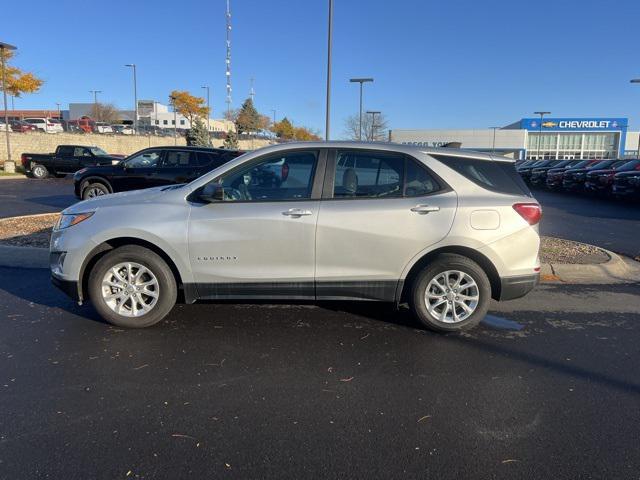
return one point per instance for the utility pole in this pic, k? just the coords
(95, 102)
(228, 60)
(542, 114)
(493, 146)
(361, 81)
(9, 166)
(373, 123)
(206, 87)
(135, 97)
(637, 80)
(329, 41)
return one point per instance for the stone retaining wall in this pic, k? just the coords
(118, 144)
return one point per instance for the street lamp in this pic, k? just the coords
(637, 80)
(328, 106)
(373, 121)
(9, 166)
(208, 114)
(95, 102)
(175, 120)
(542, 114)
(59, 116)
(274, 115)
(135, 97)
(493, 146)
(361, 81)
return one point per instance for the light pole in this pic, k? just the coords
(95, 102)
(9, 166)
(135, 97)
(637, 80)
(175, 120)
(493, 145)
(274, 115)
(58, 105)
(361, 81)
(373, 122)
(209, 108)
(542, 114)
(329, 39)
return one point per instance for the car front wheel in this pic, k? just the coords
(451, 294)
(94, 190)
(132, 287)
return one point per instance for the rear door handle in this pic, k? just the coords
(424, 209)
(297, 212)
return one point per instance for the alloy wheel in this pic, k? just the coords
(452, 296)
(130, 289)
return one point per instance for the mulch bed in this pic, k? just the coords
(36, 232)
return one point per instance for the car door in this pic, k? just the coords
(64, 160)
(178, 166)
(137, 170)
(379, 210)
(259, 242)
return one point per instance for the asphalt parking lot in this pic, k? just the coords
(547, 387)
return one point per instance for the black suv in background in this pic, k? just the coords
(626, 184)
(600, 181)
(151, 167)
(538, 175)
(573, 180)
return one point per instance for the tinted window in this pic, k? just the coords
(144, 159)
(418, 181)
(175, 159)
(630, 165)
(81, 152)
(283, 177)
(368, 174)
(213, 160)
(496, 176)
(65, 151)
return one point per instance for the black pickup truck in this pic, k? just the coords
(66, 159)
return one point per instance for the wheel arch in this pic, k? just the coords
(186, 290)
(85, 182)
(485, 263)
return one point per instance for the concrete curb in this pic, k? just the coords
(18, 176)
(617, 270)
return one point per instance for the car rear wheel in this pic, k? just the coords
(451, 294)
(94, 190)
(132, 287)
(39, 171)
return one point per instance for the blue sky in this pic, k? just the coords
(436, 64)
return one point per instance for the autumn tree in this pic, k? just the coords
(197, 135)
(188, 105)
(284, 129)
(305, 134)
(248, 119)
(378, 133)
(19, 82)
(105, 112)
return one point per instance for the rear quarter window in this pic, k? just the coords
(492, 175)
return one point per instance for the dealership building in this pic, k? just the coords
(553, 138)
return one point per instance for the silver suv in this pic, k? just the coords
(442, 230)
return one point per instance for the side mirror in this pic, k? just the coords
(212, 192)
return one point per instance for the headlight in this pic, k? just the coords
(66, 221)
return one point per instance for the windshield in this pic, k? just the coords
(630, 165)
(98, 151)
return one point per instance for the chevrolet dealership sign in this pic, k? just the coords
(575, 124)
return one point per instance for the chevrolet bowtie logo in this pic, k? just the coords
(549, 124)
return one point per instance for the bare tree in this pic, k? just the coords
(378, 133)
(105, 112)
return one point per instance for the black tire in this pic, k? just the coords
(93, 190)
(39, 171)
(166, 291)
(441, 264)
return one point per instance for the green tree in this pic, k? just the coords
(231, 141)
(248, 119)
(198, 136)
(284, 129)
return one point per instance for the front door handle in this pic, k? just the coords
(296, 212)
(424, 209)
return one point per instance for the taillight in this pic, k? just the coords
(285, 171)
(531, 212)
(24, 160)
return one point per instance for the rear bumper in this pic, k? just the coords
(516, 287)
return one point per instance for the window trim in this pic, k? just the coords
(316, 185)
(330, 175)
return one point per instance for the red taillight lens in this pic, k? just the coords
(531, 212)
(285, 171)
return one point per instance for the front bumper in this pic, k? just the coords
(516, 287)
(67, 286)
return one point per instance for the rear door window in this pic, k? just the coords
(178, 159)
(496, 176)
(368, 174)
(65, 151)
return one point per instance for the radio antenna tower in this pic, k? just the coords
(252, 92)
(228, 60)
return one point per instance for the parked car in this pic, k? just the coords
(626, 185)
(4, 127)
(47, 125)
(81, 125)
(573, 180)
(538, 176)
(122, 129)
(66, 159)
(21, 126)
(444, 230)
(151, 167)
(102, 127)
(555, 175)
(600, 181)
(525, 170)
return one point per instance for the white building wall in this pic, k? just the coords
(470, 139)
(631, 142)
